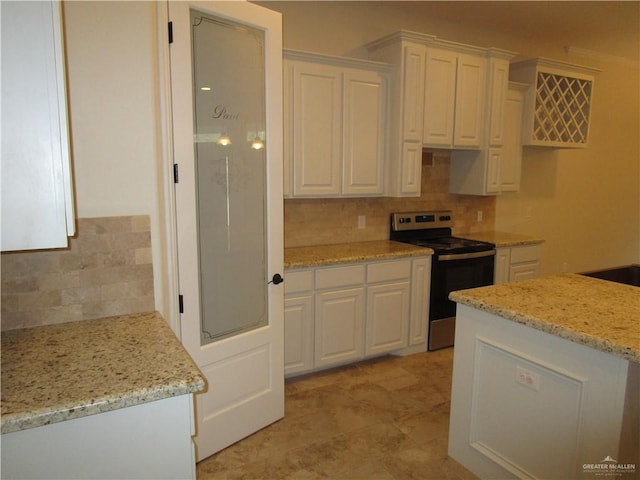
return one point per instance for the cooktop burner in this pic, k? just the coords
(433, 230)
(451, 245)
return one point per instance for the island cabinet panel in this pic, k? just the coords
(335, 138)
(344, 313)
(146, 441)
(529, 404)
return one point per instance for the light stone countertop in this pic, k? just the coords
(318, 255)
(502, 239)
(600, 314)
(59, 372)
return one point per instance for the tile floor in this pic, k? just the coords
(381, 419)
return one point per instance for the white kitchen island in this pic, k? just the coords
(546, 379)
(107, 398)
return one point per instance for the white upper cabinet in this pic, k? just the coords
(407, 53)
(444, 95)
(335, 126)
(494, 169)
(454, 99)
(558, 107)
(37, 195)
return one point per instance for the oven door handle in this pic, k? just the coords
(466, 256)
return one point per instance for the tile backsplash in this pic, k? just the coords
(107, 270)
(335, 220)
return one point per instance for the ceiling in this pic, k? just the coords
(605, 27)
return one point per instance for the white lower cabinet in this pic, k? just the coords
(150, 440)
(521, 262)
(298, 324)
(339, 321)
(340, 314)
(388, 306)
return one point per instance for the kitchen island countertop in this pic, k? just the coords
(60, 372)
(318, 255)
(600, 314)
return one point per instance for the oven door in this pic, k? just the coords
(450, 273)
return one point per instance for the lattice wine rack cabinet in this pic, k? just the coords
(557, 104)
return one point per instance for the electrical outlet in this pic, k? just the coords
(479, 216)
(528, 378)
(528, 212)
(361, 221)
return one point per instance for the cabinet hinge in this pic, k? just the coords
(180, 304)
(170, 32)
(176, 177)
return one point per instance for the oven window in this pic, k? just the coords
(451, 275)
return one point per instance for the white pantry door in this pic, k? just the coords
(226, 84)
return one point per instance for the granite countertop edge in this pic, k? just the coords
(503, 239)
(565, 331)
(342, 253)
(176, 374)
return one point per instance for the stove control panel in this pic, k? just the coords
(421, 220)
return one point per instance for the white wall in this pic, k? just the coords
(113, 80)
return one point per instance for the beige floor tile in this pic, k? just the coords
(386, 419)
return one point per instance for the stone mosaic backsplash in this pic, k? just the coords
(107, 270)
(334, 220)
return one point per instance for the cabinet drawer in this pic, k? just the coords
(387, 271)
(296, 282)
(340, 276)
(527, 253)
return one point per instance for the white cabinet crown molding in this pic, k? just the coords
(337, 61)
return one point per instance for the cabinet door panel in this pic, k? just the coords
(317, 137)
(298, 334)
(494, 163)
(420, 288)
(411, 174)
(413, 95)
(339, 326)
(499, 76)
(524, 271)
(37, 192)
(470, 96)
(387, 317)
(364, 132)
(440, 98)
(512, 150)
(502, 265)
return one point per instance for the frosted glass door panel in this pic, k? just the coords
(229, 108)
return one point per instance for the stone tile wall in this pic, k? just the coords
(107, 270)
(334, 220)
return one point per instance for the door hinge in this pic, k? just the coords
(170, 32)
(176, 177)
(180, 304)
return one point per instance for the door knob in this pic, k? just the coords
(276, 279)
